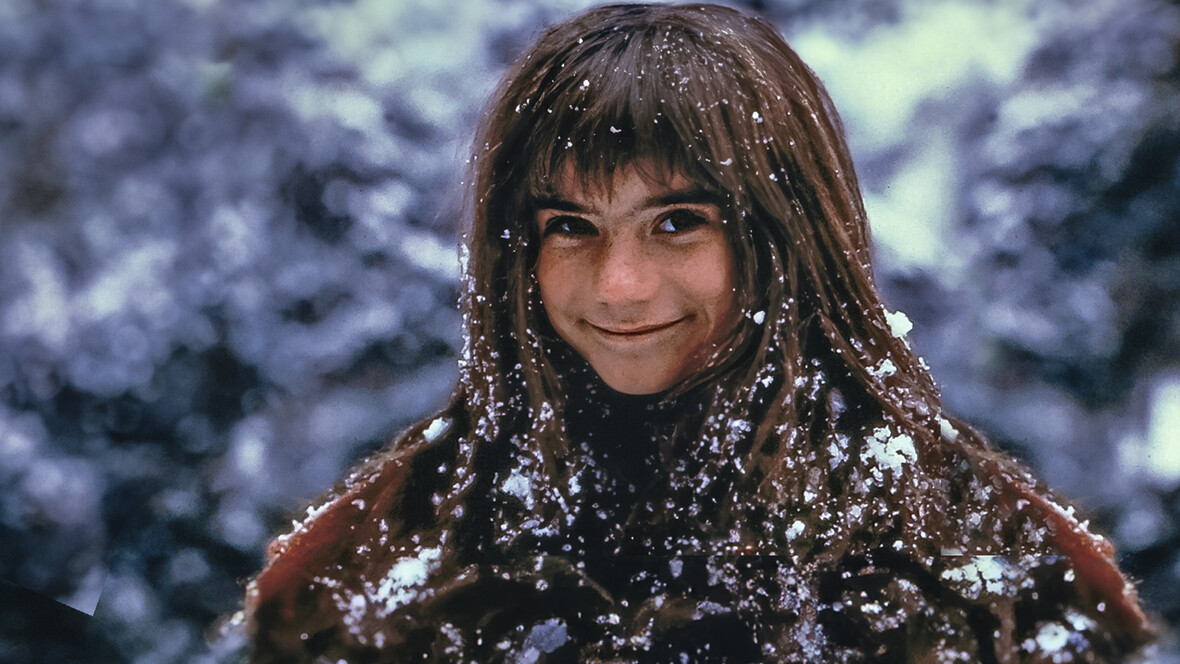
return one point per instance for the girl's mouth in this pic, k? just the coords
(635, 331)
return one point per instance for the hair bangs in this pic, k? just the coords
(623, 98)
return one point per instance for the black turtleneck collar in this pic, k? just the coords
(619, 431)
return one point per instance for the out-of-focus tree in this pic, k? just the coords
(227, 265)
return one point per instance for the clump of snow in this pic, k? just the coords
(436, 428)
(885, 368)
(548, 636)
(890, 451)
(546, 413)
(708, 608)
(454, 637)
(796, 530)
(1051, 639)
(899, 323)
(980, 575)
(520, 486)
(399, 587)
(676, 566)
(1079, 622)
(836, 450)
(947, 430)
(739, 428)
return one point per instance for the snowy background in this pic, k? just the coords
(227, 266)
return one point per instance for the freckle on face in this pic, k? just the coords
(638, 282)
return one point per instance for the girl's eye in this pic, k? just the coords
(570, 226)
(679, 221)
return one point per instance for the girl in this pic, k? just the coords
(685, 428)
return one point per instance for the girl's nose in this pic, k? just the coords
(626, 273)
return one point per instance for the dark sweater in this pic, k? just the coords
(372, 576)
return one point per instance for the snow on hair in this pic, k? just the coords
(716, 96)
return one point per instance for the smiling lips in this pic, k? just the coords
(638, 332)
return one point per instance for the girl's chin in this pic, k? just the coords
(636, 384)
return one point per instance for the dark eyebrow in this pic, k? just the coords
(557, 203)
(690, 196)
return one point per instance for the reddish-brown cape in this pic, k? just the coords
(1097, 576)
(294, 560)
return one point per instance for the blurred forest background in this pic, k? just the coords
(228, 266)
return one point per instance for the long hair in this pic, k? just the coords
(813, 432)
(814, 365)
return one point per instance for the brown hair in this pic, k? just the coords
(718, 97)
(814, 433)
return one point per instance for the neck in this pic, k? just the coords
(622, 432)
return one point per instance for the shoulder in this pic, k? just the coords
(355, 527)
(1009, 541)
(373, 488)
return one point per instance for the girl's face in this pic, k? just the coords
(638, 277)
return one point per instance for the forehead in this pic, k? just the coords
(627, 179)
